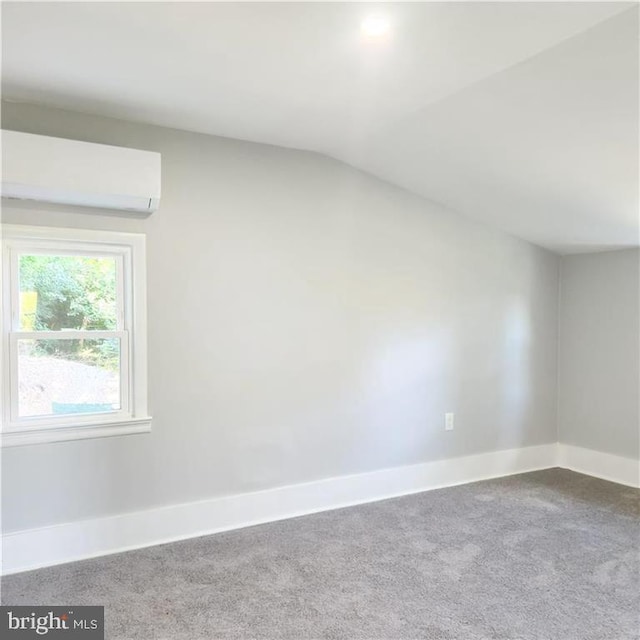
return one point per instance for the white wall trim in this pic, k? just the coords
(600, 465)
(105, 429)
(46, 546)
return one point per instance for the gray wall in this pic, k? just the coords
(305, 321)
(599, 380)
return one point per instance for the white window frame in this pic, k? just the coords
(128, 249)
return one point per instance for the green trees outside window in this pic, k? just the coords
(70, 292)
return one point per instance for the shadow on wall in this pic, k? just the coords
(407, 385)
(478, 363)
(517, 383)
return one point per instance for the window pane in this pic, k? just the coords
(67, 292)
(65, 376)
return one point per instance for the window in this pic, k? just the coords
(74, 334)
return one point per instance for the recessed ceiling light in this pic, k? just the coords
(375, 26)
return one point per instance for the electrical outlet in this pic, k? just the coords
(448, 421)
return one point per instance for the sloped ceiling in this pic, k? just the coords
(520, 115)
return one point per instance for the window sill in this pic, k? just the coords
(75, 432)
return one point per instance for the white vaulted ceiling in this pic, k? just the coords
(521, 115)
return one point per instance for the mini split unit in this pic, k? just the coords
(71, 172)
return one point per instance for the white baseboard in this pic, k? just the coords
(600, 465)
(34, 548)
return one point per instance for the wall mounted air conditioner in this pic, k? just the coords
(71, 172)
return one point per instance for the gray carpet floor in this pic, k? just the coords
(550, 555)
